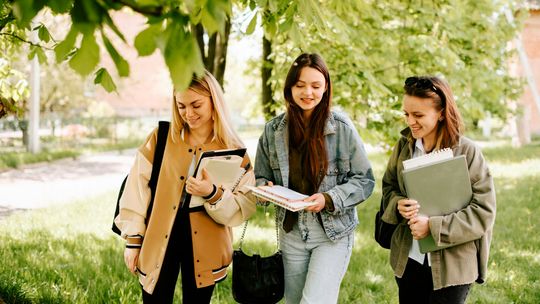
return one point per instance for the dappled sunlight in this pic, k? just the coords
(68, 253)
(523, 169)
(529, 255)
(374, 278)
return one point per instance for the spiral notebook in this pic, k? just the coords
(281, 196)
(440, 183)
(224, 168)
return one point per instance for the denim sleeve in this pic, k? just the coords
(360, 180)
(263, 171)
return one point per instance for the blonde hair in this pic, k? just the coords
(224, 133)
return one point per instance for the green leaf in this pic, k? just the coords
(93, 10)
(149, 2)
(42, 58)
(24, 11)
(145, 42)
(87, 56)
(105, 80)
(33, 52)
(252, 24)
(66, 46)
(43, 34)
(214, 14)
(182, 56)
(60, 6)
(121, 64)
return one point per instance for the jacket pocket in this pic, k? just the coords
(336, 174)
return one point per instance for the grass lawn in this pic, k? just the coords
(68, 254)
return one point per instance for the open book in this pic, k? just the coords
(224, 168)
(281, 196)
(440, 183)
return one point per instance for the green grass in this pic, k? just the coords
(15, 159)
(67, 254)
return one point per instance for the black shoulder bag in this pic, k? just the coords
(256, 279)
(163, 130)
(383, 230)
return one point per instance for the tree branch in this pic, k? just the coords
(156, 11)
(26, 41)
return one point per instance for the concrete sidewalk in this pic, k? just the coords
(59, 182)
(63, 181)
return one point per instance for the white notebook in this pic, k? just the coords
(281, 196)
(224, 170)
(427, 159)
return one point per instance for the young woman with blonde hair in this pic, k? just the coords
(197, 240)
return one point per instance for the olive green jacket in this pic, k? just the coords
(469, 228)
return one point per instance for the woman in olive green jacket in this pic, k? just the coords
(442, 276)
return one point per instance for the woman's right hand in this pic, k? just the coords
(408, 208)
(131, 257)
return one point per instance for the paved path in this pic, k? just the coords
(46, 184)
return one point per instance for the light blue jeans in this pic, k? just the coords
(313, 267)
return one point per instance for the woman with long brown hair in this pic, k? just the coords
(446, 275)
(317, 152)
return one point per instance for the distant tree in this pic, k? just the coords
(373, 46)
(13, 84)
(370, 46)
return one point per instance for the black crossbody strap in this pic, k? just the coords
(163, 130)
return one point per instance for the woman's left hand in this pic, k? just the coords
(319, 199)
(200, 186)
(419, 226)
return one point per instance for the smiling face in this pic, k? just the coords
(309, 89)
(422, 118)
(195, 109)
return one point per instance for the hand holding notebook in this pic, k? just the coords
(224, 168)
(284, 197)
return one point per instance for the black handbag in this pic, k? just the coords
(256, 279)
(383, 230)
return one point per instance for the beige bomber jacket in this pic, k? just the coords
(470, 228)
(211, 228)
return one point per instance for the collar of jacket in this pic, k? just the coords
(329, 127)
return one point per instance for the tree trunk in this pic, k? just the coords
(266, 71)
(23, 126)
(220, 59)
(214, 53)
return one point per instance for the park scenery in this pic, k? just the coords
(83, 82)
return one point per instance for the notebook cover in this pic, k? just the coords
(219, 176)
(440, 188)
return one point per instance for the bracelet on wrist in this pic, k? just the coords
(214, 190)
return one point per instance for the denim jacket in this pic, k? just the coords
(349, 179)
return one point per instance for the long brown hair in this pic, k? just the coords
(308, 136)
(451, 126)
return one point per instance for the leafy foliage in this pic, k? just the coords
(372, 46)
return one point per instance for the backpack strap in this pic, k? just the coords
(163, 130)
